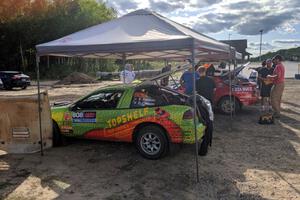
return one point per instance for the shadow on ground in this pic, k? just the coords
(247, 161)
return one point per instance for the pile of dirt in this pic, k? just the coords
(76, 78)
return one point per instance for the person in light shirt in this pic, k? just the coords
(127, 76)
(278, 85)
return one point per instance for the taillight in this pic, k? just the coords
(188, 114)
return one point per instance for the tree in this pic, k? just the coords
(25, 23)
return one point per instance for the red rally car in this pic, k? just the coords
(244, 92)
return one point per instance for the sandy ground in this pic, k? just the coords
(247, 161)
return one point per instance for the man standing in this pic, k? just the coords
(266, 85)
(186, 80)
(127, 75)
(278, 87)
(165, 81)
(205, 86)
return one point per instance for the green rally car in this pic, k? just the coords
(150, 116)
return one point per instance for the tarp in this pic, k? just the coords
(141, 34)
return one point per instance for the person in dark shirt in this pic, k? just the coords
(165, 81)
(263, 64)
(205, 86)
(266, 85)
(210, 70)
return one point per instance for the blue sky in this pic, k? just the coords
(242, 19)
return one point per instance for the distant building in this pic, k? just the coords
(240, 46)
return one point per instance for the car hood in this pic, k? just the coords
(174, 70)
(234, 72)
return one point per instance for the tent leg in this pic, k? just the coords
(194, 113)
(39, 102)
(123, 62)
(230, 97)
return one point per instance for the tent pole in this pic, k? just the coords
(195, 109)
(234, 66)
(123, 63)
(39, 102)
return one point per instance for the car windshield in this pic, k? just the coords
(100, 100)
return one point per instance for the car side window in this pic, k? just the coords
(100, 100)
(147, 97)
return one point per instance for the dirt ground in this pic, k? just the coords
(247, 161)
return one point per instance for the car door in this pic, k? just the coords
(90, 115)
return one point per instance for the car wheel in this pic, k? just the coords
(151, 142)
(226, 107)
(24, 87)
(207, 139)
(8, 87)
(57, 138)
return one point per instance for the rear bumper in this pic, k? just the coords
(189, 136)
(20, 83)
(249, 101)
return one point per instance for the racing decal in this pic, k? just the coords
(127, 117)
(242, 89)
(124, 132)
(84, 117)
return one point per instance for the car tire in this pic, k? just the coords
(24, 87)
(151, 142)
(224, 105)
(8, 87)
(57, 138)
(206, 140)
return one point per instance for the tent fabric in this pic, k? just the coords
(141, 34)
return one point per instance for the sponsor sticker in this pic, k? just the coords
(242, 89)
(84, 117)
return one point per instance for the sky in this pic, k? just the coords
(237, 19)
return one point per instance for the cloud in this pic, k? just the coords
(247, 18)
(122, 6)
(265, 46)
(243, 5)
(266, 22)
(165, 7)
(204, 3)
(213, 23)
(244, 17)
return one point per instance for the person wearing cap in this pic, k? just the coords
(266, 85)
(278, 87)
(127, 75)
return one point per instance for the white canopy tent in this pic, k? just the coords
(141, 34)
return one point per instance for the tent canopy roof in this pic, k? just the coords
(142, 34)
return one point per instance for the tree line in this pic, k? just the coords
(26, 23)
(292, 54)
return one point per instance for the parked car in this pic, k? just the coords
(150, 116)
(13, 79)
(244, 91)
